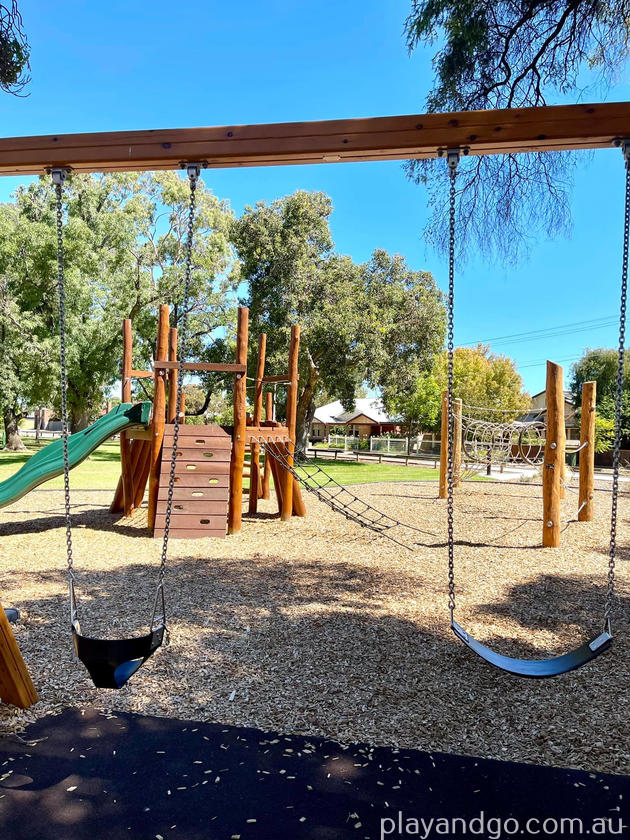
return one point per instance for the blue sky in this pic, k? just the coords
(127, 65)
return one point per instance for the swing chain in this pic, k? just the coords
(58, 176)
(452, 161)
(193, 171)
(612, 552)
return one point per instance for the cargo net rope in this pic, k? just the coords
(328, 490)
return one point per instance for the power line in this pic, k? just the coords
(544, 362)
(548, 332)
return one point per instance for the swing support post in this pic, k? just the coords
(16, 686)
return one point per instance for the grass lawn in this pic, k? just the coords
(349, 472)
(101, 470)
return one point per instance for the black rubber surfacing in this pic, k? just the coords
(127, 776)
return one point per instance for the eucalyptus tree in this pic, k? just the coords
(124, 236)
(377, 323)
(512, 54)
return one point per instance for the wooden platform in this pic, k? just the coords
(200, 495)
(266, 433)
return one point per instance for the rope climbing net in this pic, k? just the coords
(328, 490)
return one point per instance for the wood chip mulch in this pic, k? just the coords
(320, 628)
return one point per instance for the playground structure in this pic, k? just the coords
(210, 465)
(534, 442)
(477, 133)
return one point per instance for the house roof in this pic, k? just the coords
(334, 412)
(568, 395)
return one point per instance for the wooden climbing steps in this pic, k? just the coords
(202, 475)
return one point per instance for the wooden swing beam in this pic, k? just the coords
(543, 129)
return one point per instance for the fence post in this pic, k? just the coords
(587, 455)
(554, 457)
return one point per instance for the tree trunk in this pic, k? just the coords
(305, 411)
(11, 428)
(79, 419)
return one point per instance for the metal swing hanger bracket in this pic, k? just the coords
(193, 168)
(624, 145)
(59, 174)
(453, 155)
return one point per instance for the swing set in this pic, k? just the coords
(569, 127)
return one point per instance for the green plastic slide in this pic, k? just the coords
(48, 462)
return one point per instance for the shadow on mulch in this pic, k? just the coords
(202, 592)
(98, 519)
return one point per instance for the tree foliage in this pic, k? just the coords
(484, 379)
(510, 54)
(600, 365)
(124, 238)
(419, 409)
(29, 354)
(14, 50)
(378, 323)
(481, 379)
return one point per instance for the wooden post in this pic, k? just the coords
(299, 508)
(142, 470)
(254, 448)
(292, 395)
(587, 455)
(457, 442)
(277, 472)
(563, 446)
(16, 686)
(172, 375)
(235, 504)
(125, 443)
(443, 487)
(552, 465)
(267, 470)
(159, 414)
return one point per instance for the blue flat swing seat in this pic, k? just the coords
(537, 668)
